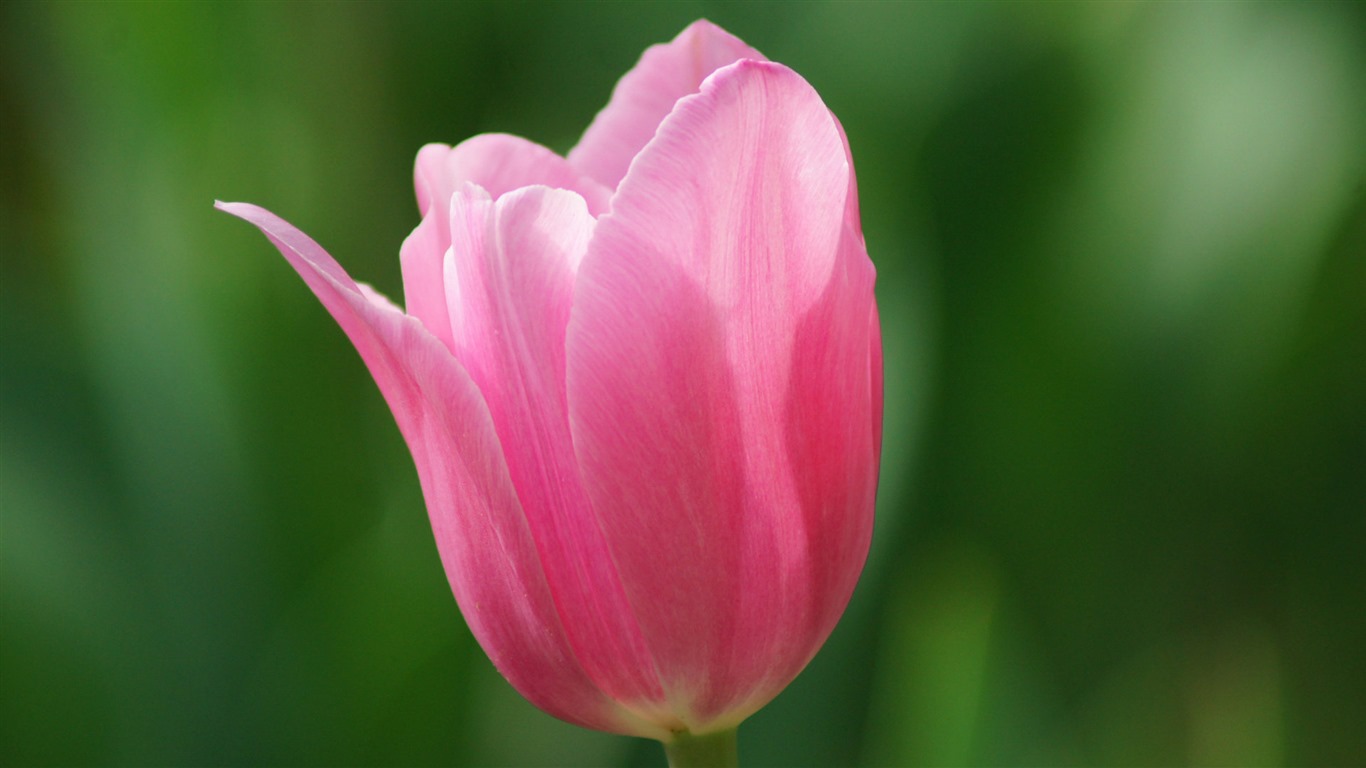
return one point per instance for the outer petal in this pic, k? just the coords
(497, 162)
(875, 379)
(646, 94)
(485, 544)
(512, 268)
(719, 388)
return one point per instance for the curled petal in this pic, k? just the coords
(485, 544)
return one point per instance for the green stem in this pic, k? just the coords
(710, 750)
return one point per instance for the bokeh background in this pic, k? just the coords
(1122, 271)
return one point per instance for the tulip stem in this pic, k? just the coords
(709, 750)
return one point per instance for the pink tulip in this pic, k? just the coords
(642, 387)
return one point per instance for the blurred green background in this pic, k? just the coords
(1122, 272)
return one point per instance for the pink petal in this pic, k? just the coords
(720, 393)
(433, 184)
(851, 209)
(421, 253)
(501, 163)
(646, 94)
(511, 270)
(497, 162)
(484, 541)
(875, 376)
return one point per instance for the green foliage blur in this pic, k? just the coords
(1122, 273)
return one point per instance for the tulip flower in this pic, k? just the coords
(641, 384)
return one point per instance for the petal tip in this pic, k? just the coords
(245, 211)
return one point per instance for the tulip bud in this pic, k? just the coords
(642, 388)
